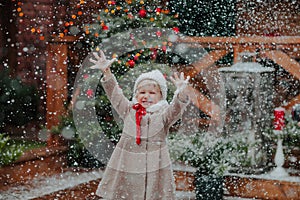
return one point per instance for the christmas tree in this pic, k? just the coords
(124, 17)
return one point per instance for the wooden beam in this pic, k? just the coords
(291, 103)
(56, 77)
(198, 99)
(204, 104)
(206, 61)
(289, 64)
(282, 59)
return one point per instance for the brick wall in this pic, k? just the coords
(33, 27)
(268, 17)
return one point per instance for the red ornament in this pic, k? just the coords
(104, 27)
(158, 33)
(279, 119)
(85, 76)
(131, 63)
(142, 13)
(158, 10)
(176, 29)
(89, 93)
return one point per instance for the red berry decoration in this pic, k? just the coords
(142, 13)
(131, 63)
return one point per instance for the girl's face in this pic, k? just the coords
(148, 93)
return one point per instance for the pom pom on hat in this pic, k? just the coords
(156, 76)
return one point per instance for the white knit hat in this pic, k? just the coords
(158, 77)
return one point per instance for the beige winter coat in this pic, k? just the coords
(140, 172)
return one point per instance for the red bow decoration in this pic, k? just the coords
(140, 112)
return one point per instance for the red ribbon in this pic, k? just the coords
(140, 112)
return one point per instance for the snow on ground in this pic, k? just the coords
(46, 185)
(268, 176)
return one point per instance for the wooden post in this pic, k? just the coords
(56, 77)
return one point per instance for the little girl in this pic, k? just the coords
(140, 166)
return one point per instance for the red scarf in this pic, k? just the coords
(140, 112)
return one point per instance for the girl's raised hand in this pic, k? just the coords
(179, 81)
(100, 62)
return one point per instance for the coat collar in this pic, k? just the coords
(156, 107)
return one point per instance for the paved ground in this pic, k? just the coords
(69, 185)
(72, 184)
